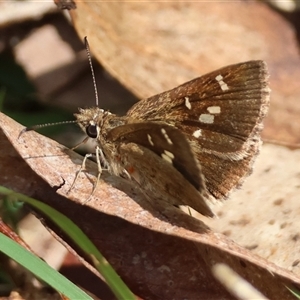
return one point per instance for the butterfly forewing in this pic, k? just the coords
(221, 115)
(230, 102)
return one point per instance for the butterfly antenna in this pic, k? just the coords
(35, 127)
(87, 48)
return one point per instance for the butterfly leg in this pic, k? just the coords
(99, 158)
(82, 167)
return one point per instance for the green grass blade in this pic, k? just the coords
(40, 269)
(113, 280)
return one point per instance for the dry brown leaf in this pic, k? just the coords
(156, 259)
(154, 46)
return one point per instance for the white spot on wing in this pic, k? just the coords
(150, 140)
(187, 103)
(197, 133)
(223, 85)
(207, 118)
(168, 156)
(214, 109)
(163, 131)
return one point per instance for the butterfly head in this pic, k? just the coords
(91, 120)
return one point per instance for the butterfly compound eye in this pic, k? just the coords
(91, 131)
